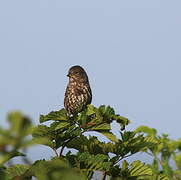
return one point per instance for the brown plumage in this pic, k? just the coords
(78, 93)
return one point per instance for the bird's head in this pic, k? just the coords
(77, 73)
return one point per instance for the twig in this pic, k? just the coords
(63, 146)
(120, 158)
(55, 151)
(104, 176)
(90, 174)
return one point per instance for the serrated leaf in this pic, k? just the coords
(19, 124)
(43, 135)
(42, 131)
(62, 125)
(125, 165)
(43, 141)
(159, 177)
(60, 115)
(3, 174)
(101, 127)
(55, 169)
(6, 157)
(17, 171)
(94, 162)
(106, 111)
(147, 130)
(127, 135)
(18, 154)
(109, 135)
(90, 110)
(140, 169)
(121, 120)
(177, 159)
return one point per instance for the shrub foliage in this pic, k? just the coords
(77, 155)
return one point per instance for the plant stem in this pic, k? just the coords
(63, 146)
(120, 158)
(104, 176)
(55, 151)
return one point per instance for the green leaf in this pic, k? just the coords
(43, 135)
(91, 144)
(90, 110)
(140, 169)
(147, 130)
(6, 157)
(121, 120)
(93, 162)
(101, 127)
(109, 135)
(18, 154)
(155, 165)
(125, 165)
(42, 131)
(104, 129)
(43, 141)
(16, 171)
(60, 115)
(3, 174)
(19, 124)
(160, 177)
(177, 159)
(62, 125)
(127, 135)
(55, 169)
(106, 111)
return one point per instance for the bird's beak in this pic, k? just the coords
(69, 75)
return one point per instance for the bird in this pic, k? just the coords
(78, 93)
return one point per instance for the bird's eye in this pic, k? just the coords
(77, 72)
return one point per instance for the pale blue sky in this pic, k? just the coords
(130, 49)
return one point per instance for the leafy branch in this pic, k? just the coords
(91, 154)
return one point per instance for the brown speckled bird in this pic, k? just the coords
(78, 93)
